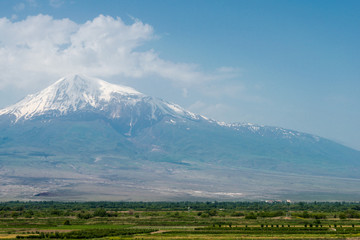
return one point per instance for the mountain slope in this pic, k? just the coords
(82, 133)
(79, 94)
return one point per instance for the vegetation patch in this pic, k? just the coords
(183, 220)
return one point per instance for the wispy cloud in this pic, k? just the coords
(32, 3)
(56, 3)
(40, 47)
(19, 7)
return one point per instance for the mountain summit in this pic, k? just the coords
(69, 94)
(85, 94)
(86, 139)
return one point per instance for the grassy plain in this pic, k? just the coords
(185, 220)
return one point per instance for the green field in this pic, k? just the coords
(179, 220)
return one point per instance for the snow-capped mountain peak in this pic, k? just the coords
(79, 92)
(78, 84)
(70, 93)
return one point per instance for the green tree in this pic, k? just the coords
(250, 215)
(100, 212)
(342, 215)
(212, 212)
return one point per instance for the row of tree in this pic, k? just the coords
(182, 206)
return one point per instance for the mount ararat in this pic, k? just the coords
(85, 139)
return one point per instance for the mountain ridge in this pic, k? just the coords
(94, 93)
(113, 137)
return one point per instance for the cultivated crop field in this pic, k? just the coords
(179, 220)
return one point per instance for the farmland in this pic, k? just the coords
(179, 220)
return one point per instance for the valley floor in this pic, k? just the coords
(183, 220)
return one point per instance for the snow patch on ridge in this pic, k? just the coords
(108, 89)
(266, 130)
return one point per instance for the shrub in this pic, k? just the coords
(67, 222)
(342, 216)
(100, 212)
(237, 214)
(84, 215)
(251, 215)
(212, 212)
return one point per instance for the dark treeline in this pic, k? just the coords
(88, 234)
(181, 206)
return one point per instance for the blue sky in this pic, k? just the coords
(294, 64)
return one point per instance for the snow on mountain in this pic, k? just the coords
(268, 130)
(105, 139)
(83, 93)
(273, 131)
(71, 93)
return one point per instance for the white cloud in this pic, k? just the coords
(19, 7)
(56, 3)
(40, 48)
(32, 3)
